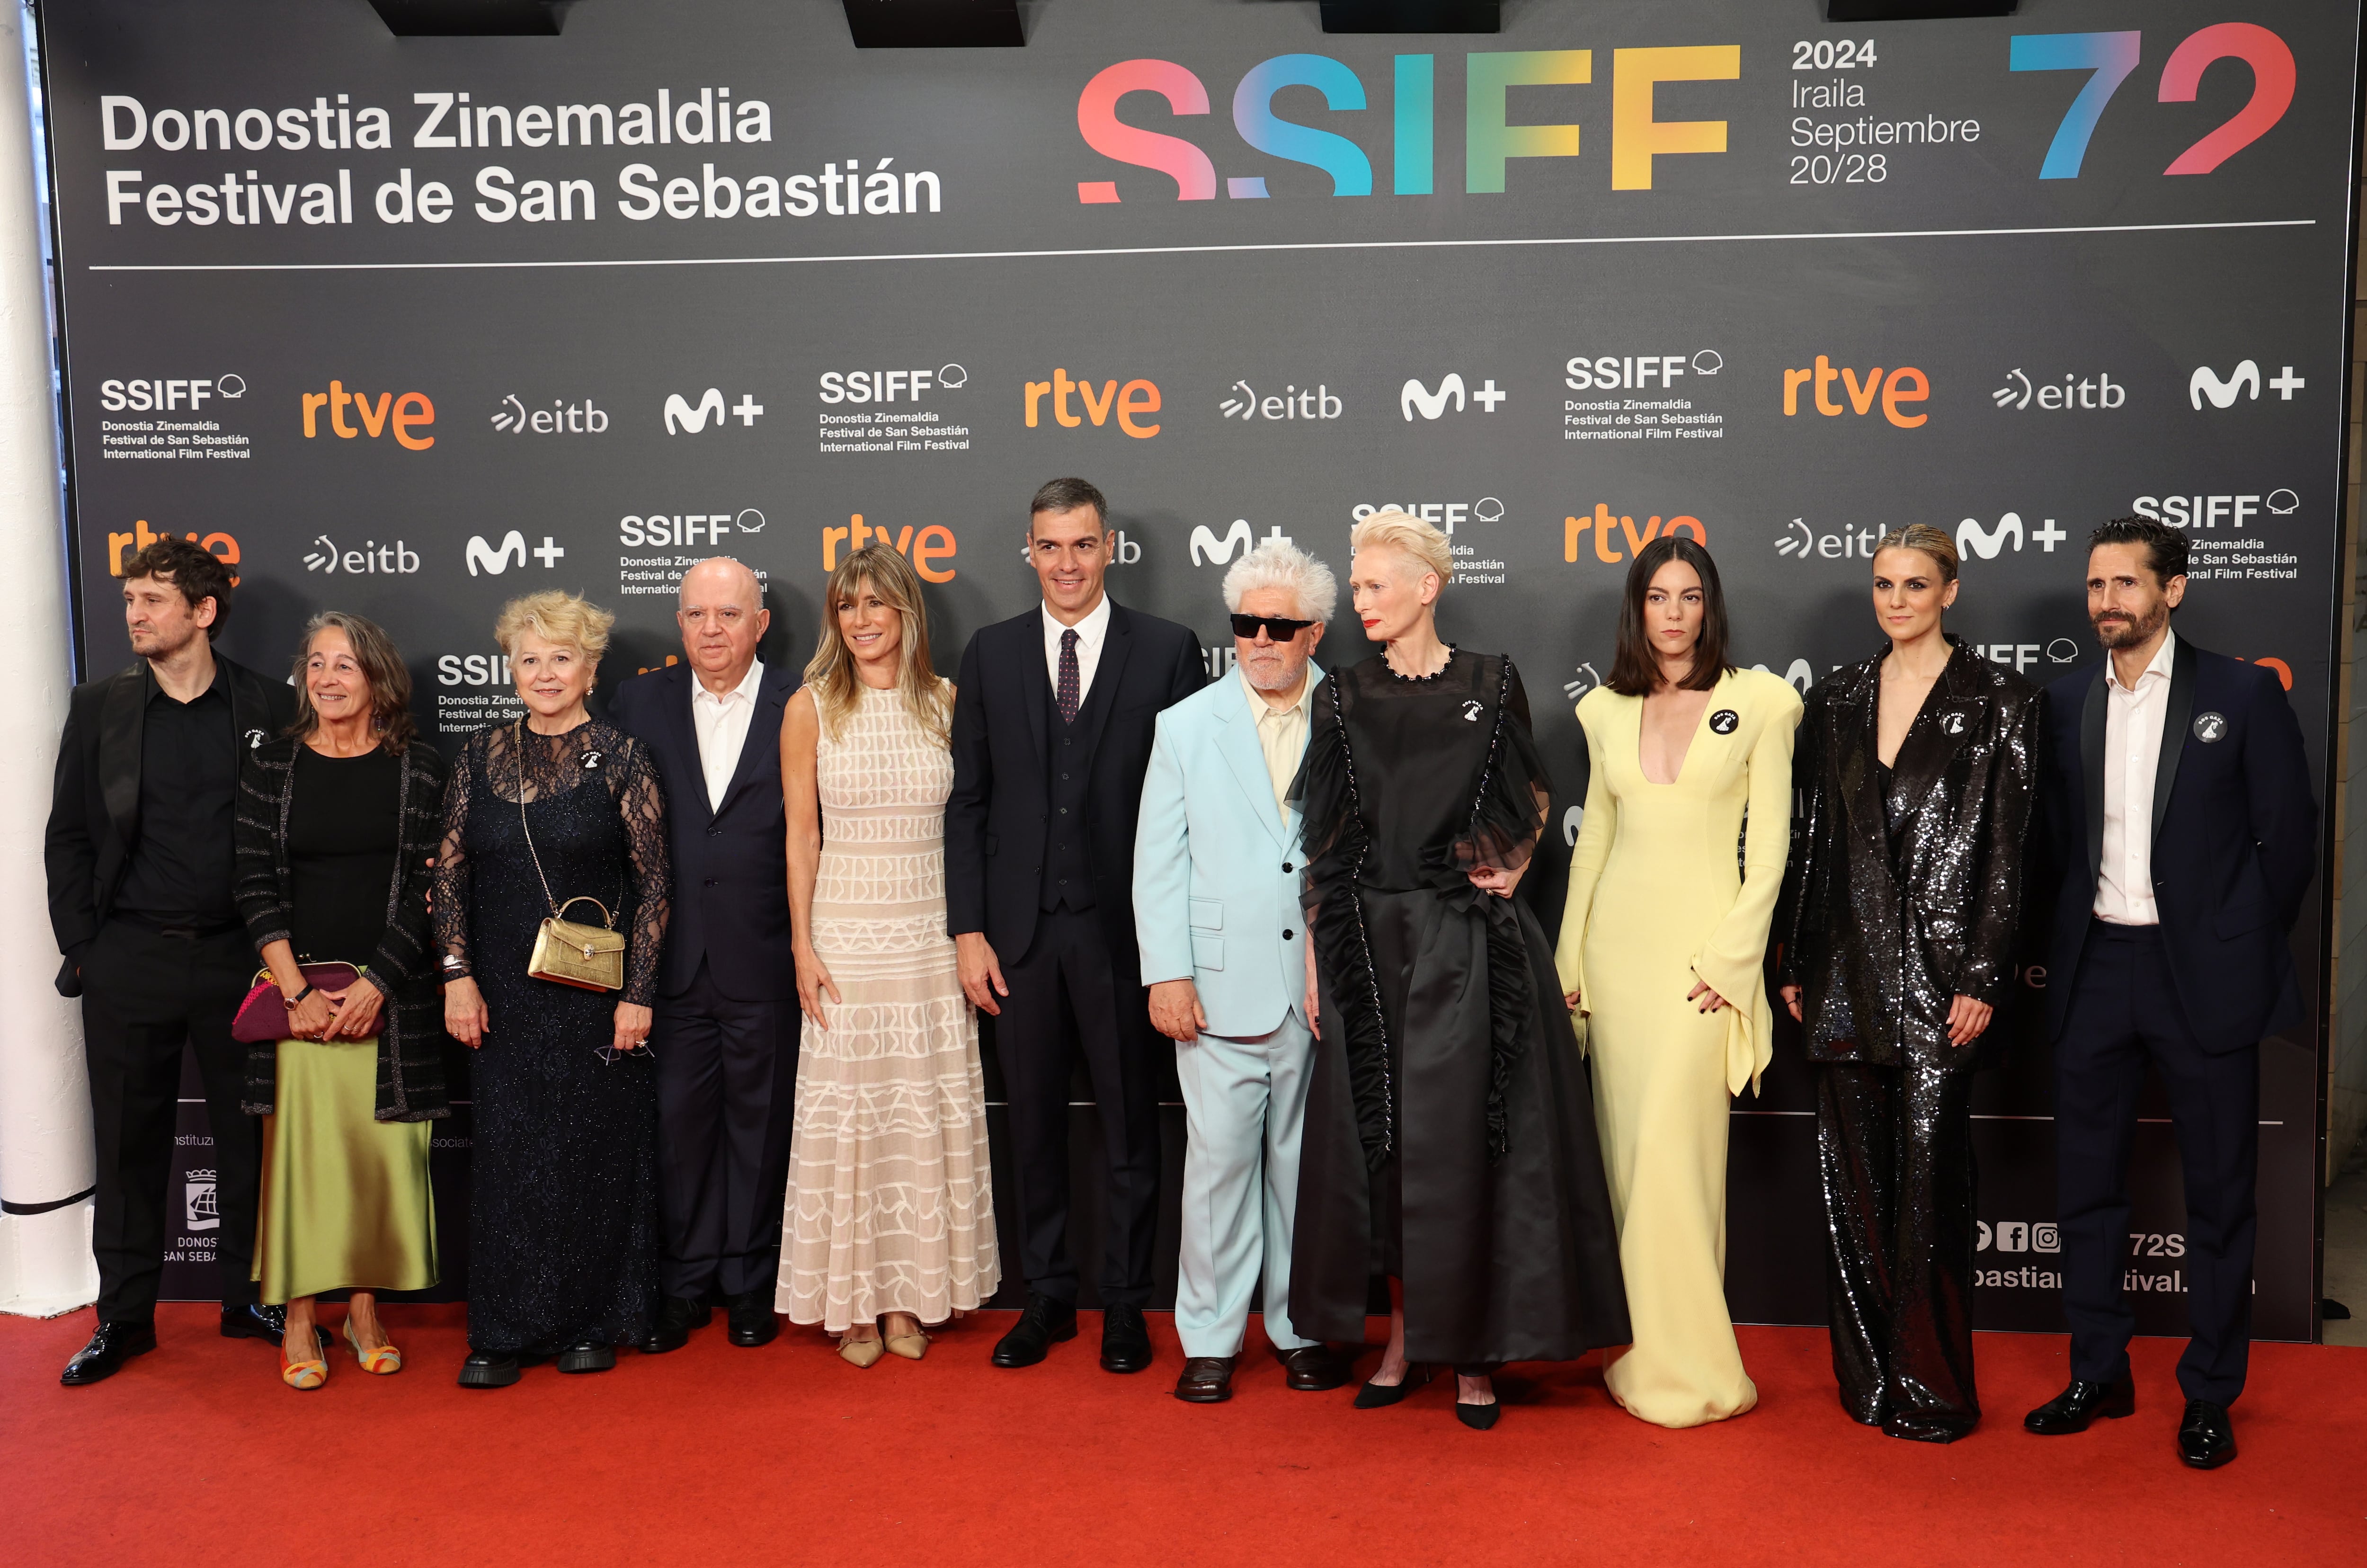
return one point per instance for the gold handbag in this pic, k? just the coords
(590, 958)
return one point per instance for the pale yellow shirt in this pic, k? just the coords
(1282, 734)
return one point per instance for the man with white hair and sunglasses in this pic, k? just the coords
(1216, 899)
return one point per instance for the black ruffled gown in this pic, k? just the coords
(564, 1207)
(1450, 1136)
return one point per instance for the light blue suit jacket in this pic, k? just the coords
(1217, 867)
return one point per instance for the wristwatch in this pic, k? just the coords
(298, 999)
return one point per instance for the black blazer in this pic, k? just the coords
(2235, 841)
(410, 1025)
(995, 828)
(94, 800)
(1890, 915)
(730, 865)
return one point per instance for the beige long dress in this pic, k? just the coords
(890, 1202)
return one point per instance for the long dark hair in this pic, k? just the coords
(382, 666)
(1634, 672)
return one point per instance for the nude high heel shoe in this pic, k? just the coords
(912, 1346)
(860, 1352)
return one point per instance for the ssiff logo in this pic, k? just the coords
(1491, 138)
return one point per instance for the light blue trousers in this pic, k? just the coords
(1243, 1103)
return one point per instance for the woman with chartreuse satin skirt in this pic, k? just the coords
(1663, 948)
(337, 827)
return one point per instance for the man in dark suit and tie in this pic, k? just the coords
(726, 1032)
(139, 855)
(2177, 809)
(1051, 739)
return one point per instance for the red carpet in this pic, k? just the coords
(196, 1455)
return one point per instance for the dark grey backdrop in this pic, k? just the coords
(1950, 268)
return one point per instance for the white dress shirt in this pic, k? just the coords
(2132, 723)
(1282, 734)
(722, 726)
(1091, 632)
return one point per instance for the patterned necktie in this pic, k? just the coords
(1068, 694)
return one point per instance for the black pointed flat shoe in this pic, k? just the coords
(1380, 1396)
(1479, 1418)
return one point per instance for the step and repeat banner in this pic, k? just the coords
(410, 326)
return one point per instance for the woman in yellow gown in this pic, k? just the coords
(1663, 948)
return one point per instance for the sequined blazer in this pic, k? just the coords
(1893, 906)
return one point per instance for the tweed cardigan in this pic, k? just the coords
(411, 1027)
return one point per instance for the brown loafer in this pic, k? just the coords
(1206, 1380)
(1312, 1368)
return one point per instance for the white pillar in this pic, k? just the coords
(45, 1144)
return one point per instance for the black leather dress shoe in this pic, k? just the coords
(587, 1355)
(2071, 1410)
(676, 1317)
(1312, 1368)
(752, 1317)
(1126, 1340)
(266, 1323)
(1206, 1380)
(1043, 1323)
(488, 1370)
(113, 1345)
(2206, 1439)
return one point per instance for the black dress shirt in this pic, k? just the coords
(180, 871)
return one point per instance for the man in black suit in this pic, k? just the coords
(2177, 806)
(1051, 739)
(139, 858)
(726, 1033)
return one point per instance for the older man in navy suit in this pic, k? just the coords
(726, 1033)
(2176, 807)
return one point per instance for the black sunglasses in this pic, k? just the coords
(1276, 627)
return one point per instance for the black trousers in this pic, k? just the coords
(2124, 1014)
(1894, 1149)
(143, 996)
(727, 1074)
(1066, 996)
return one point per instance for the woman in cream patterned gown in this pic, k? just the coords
(890, 1224)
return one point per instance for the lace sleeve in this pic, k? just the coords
(642, 802)
(451, 897)
(1515, 793)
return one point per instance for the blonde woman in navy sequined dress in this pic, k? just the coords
(1449, 1142)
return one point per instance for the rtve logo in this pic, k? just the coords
(924, 549)
(1131, 401)
(1491, 140)
(403, 414)
(1893, 390)
(1606, 541)
(119, 546)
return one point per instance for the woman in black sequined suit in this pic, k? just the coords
(563, 1216)
(1915, 767)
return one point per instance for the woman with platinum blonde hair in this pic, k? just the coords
(1450, 1140)
(555, 814)
(889, 1225)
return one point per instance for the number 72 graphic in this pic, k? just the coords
(2113, 56)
